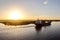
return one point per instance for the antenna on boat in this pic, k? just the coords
(38, 18)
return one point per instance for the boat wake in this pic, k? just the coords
(8, 27)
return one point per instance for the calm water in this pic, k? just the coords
(30, 32)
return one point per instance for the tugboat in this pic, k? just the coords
(42, 22)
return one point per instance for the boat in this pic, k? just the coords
(42, 22)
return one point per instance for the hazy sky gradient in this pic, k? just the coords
(31, 7)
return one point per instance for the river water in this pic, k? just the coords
(30, 32)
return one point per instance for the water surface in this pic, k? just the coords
(30, 32)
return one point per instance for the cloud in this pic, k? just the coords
(45, 2)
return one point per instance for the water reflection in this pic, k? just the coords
(39, 27)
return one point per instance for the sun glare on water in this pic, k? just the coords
(15, 15)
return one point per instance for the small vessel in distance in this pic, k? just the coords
(42, 23)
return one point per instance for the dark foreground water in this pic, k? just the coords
(30, 32)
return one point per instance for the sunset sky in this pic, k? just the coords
(30, 8)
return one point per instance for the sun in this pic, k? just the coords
(15, 15)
